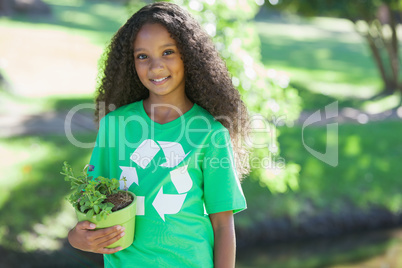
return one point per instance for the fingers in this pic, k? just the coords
(84, 237)
(106, 233)
(109, 250)
(111, 240)
(85, 225)
(114, 234)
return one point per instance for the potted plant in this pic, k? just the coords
(100, 201)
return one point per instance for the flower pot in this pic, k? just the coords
(124, 217)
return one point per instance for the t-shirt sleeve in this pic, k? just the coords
(222, 189)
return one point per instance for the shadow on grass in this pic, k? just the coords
(58, 104)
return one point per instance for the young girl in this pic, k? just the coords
(172, 115)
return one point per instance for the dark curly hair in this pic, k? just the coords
(207, 80)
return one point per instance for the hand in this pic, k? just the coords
(84, 237)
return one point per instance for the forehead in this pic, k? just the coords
(152, 34)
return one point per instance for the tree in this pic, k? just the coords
(376, 20)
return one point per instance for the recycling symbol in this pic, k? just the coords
(174, 155)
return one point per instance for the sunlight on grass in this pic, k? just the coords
(61, 57)
(303, 30)
(352, 146)
(71, 3)
(323, 55)
(384, 104)
(48, 234)
(17, 162)
(345, 90)
(333, 24)
(78, 17)
(51, 63)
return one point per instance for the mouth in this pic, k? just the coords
(160, 80)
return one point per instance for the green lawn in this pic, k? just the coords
(368, 174)
(328, 52)
(325, 59)
(95, 19)
(33, 210)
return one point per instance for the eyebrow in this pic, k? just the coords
(163, 46)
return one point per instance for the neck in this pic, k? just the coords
(163, 109)
(176, 101)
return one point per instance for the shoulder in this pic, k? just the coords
(217, 135)
(204, 117)
(125, 110)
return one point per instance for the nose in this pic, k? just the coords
(156, 65)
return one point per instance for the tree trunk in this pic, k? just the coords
(392, 49)
(380, 65)
(388, 69)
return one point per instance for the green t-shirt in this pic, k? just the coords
(180, 171)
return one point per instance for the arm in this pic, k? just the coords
(83, 237)
(225, 240)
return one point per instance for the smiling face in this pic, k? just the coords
(158, 62)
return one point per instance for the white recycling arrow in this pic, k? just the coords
(130, 173)
(145, 153)
(181, 179)
(168, 203)
(140, 205)
(174, 153)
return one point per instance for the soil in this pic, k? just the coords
(119, 200)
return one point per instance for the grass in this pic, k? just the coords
(324, 55)
(61, 56)
(368, 170)
(34, 215)
(94, 19)
(368, 174)
(32, 190)
(328, 62)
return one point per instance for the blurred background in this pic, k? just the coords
(321, 79)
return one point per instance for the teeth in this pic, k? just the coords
(158, 80)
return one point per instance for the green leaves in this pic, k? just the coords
(88, 193)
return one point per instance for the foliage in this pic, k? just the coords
(377, 22)
(88, 193)
(267, 93)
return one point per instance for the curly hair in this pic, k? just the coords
(207, 80)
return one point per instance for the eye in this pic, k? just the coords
(168, 52)
(141, 56)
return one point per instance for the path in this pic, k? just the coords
(82, 122)
(44, 124)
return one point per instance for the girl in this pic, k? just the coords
(171, 137)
